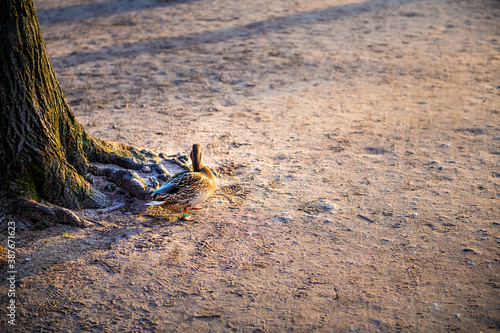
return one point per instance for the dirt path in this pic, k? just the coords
(358, 149)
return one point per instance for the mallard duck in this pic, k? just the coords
(187, 189)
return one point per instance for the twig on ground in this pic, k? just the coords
(366, 218)
(112, 208)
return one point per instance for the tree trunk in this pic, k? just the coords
(44, 151)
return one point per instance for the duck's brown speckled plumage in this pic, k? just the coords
(187, 189)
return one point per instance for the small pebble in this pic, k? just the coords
(146, 169)
(469, 250)
(329, 206)
(162, 155)
(436, 306)
(445, 145)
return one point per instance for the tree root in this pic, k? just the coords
(127, 179)
(123, 161)
(120, 154)
(33, 210)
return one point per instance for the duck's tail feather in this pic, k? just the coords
(154, 203)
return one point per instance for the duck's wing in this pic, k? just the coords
(178, 183)
(167, 188)
(172, 186)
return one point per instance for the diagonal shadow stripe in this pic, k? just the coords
(99, 9)
(158, 45)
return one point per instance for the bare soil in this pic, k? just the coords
(357, 146)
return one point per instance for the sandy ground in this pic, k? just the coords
(358, 150)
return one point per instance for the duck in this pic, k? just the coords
(187, 189)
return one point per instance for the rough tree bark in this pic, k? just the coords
(44, 151)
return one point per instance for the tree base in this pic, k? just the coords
(122, 189)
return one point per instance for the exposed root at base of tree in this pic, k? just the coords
(33, 210)
(127, 179)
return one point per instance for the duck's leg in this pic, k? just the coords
(185, 216)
